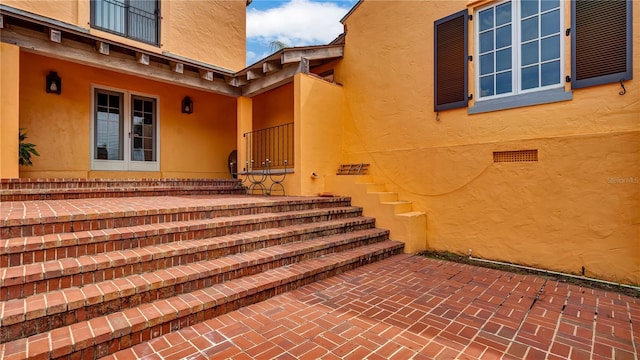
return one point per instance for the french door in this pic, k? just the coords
(124, 131)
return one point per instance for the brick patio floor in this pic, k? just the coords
(413, 307)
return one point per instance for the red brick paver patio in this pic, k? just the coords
(413, 307)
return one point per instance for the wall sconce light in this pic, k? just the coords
(187, 105)
(54, 83)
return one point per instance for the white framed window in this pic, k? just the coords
(519, 48)
(124, 131)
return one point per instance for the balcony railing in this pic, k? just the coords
(269, 157)
(270, 148)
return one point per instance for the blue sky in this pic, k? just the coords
(293, 22)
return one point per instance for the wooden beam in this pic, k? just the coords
(1, 22)
(284, 76)
(271, 66)
(102, 47)
(177, 67)
(329, 52)
(304, 65)
(55, 35)
(37, 42)
(206, 74)
(236, 81)
(142, 58)
(254, 74)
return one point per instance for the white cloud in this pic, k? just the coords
(251, 56)
(296, 23)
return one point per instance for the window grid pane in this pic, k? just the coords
(495, 50)
(536, 56)
(144, 128)
(540, 50)
(504, 83)
(109, 127)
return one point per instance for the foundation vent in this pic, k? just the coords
(515, 156)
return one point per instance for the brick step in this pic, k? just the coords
(26, 280)
(36, 249)
(38, 218)
(110, 192)
(44, 312)
(103, 335)
(62, 245)
(80, 183)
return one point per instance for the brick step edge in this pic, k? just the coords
(104, 335)
(93, 193)
(48, 247)
(34, 279)
(45, 312)
(46, 225)
(62, 183)
(71, 190)
(37, 249)
(51, 271)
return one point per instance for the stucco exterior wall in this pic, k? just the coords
(211, 31)
(63, 10)
(191, 145)
(579, 205)
(9, 110)
(274, 107)
(319, 117)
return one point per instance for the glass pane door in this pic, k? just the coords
(143, 129)
(108, 126)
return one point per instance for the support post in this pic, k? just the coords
(10, 110)
(245, 124)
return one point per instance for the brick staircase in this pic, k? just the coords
(100, 272)
(59, 189)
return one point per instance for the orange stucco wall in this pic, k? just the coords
(9, 110)
(274, 107)
(215, 29)
(191, 145)
(579, 205)
(319, 117)
(64, 10)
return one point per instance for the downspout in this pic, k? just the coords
(636, 288)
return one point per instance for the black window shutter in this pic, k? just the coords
(450, 61)
(601, 42)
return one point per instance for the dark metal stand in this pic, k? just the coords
(257, 178)
(276, 179)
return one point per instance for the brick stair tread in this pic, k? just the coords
(46, 270)
(54, 302)
(17, 274)
(50, 189)
(43, 242)
(53, 183)
(54, 211)
(39, 191)
(62, 341)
